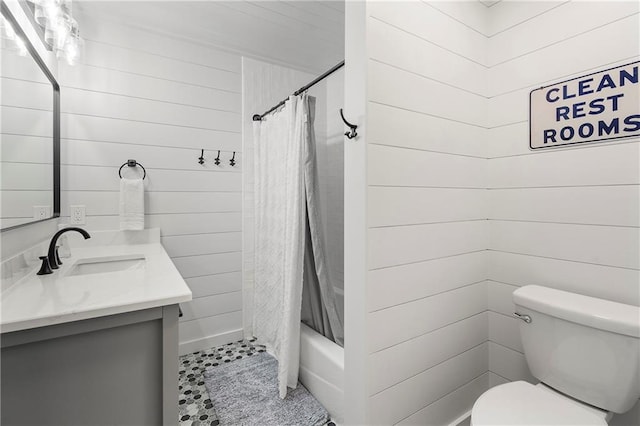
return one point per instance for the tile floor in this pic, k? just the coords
(194, 405)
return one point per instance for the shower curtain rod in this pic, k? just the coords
(258, 117)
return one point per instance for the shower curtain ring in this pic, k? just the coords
(217, 159)
(233, 161)
(201, 158)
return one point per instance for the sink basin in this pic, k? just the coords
(101, 265)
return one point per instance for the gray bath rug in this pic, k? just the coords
(245, 393)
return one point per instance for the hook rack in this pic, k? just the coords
(132, 163)
(201, 159)
(352, 132)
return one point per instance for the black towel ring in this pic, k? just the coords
(132, 163)
(351, 133)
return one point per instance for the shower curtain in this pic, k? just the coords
(285, 199)
(318, 298)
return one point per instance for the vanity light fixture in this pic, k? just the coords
(61, 31)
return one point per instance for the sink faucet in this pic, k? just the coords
(52, 245)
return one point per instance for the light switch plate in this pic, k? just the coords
(77, 215)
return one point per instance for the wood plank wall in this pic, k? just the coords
(160, 101)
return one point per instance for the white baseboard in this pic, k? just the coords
(210, 341)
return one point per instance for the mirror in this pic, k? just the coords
(29, 132)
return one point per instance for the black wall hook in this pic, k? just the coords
(233, 161)
(201, 158)
(217, 159)
(351, 133)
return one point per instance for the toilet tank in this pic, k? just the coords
(584, 347)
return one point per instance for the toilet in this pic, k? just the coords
(585, 352)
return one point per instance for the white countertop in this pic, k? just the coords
(41, 300)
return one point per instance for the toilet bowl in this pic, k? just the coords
(585, 352)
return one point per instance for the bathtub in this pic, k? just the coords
(322, 371)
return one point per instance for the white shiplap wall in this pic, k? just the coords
(460, 212)
(160, 101)
(426, 212)
(565, 218)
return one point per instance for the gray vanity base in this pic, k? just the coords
(113, 370)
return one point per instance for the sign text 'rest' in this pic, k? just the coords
(596, 107)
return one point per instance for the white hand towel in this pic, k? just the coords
(131, 204)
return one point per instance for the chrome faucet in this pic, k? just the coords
(52, 254)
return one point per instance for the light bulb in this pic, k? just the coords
(49, 35)
(51, 10)
(40, 15)
(61, 31)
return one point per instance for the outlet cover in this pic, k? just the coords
(77, 215)
(41, 212)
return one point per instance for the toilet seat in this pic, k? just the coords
(521, 403)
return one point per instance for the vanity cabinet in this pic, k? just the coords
(110, 370)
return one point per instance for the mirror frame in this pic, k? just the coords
(6, 12)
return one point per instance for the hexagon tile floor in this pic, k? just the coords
(194, 405)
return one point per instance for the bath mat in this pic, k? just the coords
(245, 393)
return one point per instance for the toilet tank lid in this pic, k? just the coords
(585, 310)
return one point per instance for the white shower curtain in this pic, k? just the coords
(288, 222)
(279, 235)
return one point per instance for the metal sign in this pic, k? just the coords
(601, 106)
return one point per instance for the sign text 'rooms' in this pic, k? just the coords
(596, 107)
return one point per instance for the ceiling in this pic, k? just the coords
(489, 3)
(308, 35)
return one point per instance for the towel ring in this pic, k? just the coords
(132, 163)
